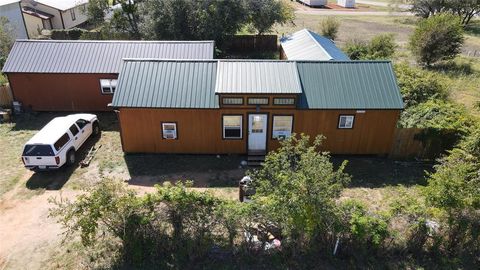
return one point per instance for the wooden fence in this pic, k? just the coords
(405, 145)
(245, 43)
(6, 96)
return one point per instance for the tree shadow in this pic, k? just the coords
(55, 180)
(375, 172)
(37, 120)
(204, 170)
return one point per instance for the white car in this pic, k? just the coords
(56, 143)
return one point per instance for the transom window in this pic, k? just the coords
(232, 101)
(282, 126)
(232, 126)
(169, 131)
(346, 121)
(258, 101)
(108, 86)
(283, 101)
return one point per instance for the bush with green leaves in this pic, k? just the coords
(329, 27)
(298, 186)
(6, 39)
(436, 39)
(380, 47)
(418, 86)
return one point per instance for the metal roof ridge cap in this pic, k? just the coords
(129, 59)
(112, 41)
(343, 61)
(316, 42)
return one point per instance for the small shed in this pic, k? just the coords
(314, 3)
(346, 3)
(308, 45)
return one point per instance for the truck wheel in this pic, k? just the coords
(71, 157)
(95, 129)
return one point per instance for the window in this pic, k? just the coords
(232, 101)
(282, 126)
(81, 123)
(74, 130)
(72, 13)
(61, 142)
(257, 101)
(32, 150)
(108, 86)
(232, 126)
(283, 101)
(169, 131)
(346, 121)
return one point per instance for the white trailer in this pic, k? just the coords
(346, 3)
(314, 3)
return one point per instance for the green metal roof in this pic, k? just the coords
(155, 83)
(348, 85)
(150, 83)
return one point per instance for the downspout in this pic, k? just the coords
(61, 17)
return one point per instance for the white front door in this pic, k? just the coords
(257, 132)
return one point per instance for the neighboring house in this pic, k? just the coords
(53, 75)
(245, 106)
(54, 14)
(308, 45)
(12, 10)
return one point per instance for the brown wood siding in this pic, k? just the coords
(60, 92)
(200, 131)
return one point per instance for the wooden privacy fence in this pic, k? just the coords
(405, 145)
(243, 43)
(6, 97)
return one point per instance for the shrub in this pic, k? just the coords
(297, 186)
(67, 34)
(437, 38)
(329, 27)
(418, 86)
(380, 47)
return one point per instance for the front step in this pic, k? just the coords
(255, 159)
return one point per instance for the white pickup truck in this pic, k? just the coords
(56, 143)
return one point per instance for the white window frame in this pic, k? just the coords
(166, 133)
(278, 101)
(232, 99)
(278, 134)
(240, 126)
(257, 98)
(108, 84)
(72, 14)
(349, 121)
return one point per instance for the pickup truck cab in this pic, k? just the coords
(56, 144)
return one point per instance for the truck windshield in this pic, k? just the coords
(38, 150)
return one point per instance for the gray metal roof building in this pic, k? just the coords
(308, 45)
(76, 56)
(195, 83)
(257, 76)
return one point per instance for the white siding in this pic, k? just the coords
(14, 15)
(80, 16)
(56, 19)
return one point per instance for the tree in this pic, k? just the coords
(6, 40)
(264, 14)
(297, 187)
(96, 11)
(437, 38)
(329, 27)
(465, 9)
(418, 86)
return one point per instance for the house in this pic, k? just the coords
(308, 45)
(12, 10)
(314, 3)
(53, 75)
(54, 14)
(246, 106)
